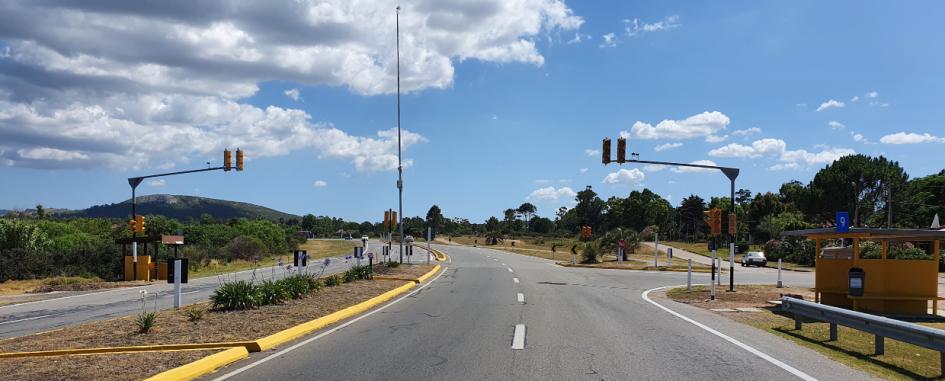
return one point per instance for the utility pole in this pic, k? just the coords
(400, 166)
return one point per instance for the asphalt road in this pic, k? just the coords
(571, 323)
(44, 315)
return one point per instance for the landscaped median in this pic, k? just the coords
(750, 305)
(176, 346)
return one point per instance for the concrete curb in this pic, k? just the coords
(203, 366)
(131, 349)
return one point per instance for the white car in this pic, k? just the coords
(364, 238)
(756, 258)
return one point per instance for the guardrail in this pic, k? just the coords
(881, 327)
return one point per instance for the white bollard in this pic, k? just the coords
(689, 276)
(656, 249)
(177, 276)
(712, 281)
(779, 274)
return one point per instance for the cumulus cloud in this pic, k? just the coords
(872, 94)
(610, 41)
(552, 194)
(835, 125)
(747, 132)
(667, 146)
(654, 167)
(583, 170)
(777, 148)
(625, 176)
(700, 125)
(591, 152)
(636, 27)
(156, 183)
(830, 104)
(716, 138)
(910, 138)
(293, 94)
(696, 169)
(167, 86)
(320, 184)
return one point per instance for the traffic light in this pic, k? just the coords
(387, 218)
(139, 224)
(731, 224)
(393, 218)
(713, 218)
(621, 150)
(227, 162)
(586, 232)
(132, 225)
(239, 159)
(605, 152)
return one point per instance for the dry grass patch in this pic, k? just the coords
(106, 367)
(174, 327)
(744, 295)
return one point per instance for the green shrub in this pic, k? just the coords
(909, 253)
(333, 280)
(194, 314)
(239, 295)
(871, 250)
(590, 253)
(296, 285)
(393, 264)
(314, 284)
(145, 321)
(272, 292)
(349, 276)
(356, 273)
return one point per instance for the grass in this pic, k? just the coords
(59, 283)
(853, 348)
(702, 249)
(317, 249)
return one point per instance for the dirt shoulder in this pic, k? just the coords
(107, 367)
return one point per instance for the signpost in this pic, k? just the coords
(621, 247)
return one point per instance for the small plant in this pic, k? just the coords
(146, 321)
(314, 283)
(296, 285)
(194, 314)
(273, 292)
(239, 295)
(332, 280)
(393, 264)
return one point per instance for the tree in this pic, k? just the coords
(589, 208)
(435, 219)
(527, 210)
(926, 198)
(40, 211)
(763, 205)
(308, 222)
(510, 220)
(690, 215)
(857, 183)
(542, 225)
(743, 197)
(245, 248)
(493, 224)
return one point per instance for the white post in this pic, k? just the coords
(780, 285)
(689, 276)
(719, 261)
(712, 281)
(619, 254)
(177, 276)
(134, 259)
(429, 237)
(731, 264)
(656, 249)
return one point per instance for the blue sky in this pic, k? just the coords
(493, 121)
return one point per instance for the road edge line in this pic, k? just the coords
(750, 349)
(203, 366)
(129, 349)
(328, 332)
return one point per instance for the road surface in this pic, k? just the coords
(570, 323)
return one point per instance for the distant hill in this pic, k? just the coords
(181, 208)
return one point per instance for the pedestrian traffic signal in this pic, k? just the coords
(227, 160)
(621, 150)
(239, 159)
(731, 224)
(139, 224)
(605, 152)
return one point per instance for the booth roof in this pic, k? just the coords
(832, 233)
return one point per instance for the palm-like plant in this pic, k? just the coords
(608, 242)
(493, 237)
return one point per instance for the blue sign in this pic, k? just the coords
(843, 222)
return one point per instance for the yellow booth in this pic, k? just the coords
(887, 271)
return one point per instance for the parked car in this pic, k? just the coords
(754, 258)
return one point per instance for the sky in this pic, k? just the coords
(503, 102)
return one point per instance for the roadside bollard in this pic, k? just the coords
(779, 274)
(689, 276)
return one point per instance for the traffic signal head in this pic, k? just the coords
(132, 225)
(239, 159)
(605, 151)
(227, 160)
(621, 150)
(139, 224)
(393, 218)
(716, 222)
(387, 218)
(732, 227)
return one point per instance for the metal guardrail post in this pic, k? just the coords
(880, 344)
(833, 331)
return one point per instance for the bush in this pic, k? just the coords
(314, 284)
(272, 292)
(245, 248)
(194, 314)
(909, 253)
(334, 280)
(239, 295)
(145, 321)
(871, 250)
(296, 285)
(590, 253)
(393, 264)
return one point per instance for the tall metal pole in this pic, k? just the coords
(731, 245)
(400, 166)
(134, 235)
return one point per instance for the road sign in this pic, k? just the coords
(622, 243)
(843, 222)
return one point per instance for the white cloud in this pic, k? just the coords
(636, 27)
(855, 98)
(578, 38)
(801, 105)
(169, 85)
(910, 138)
(716, 138)
(859, 138)
(156, 183)
(747, 132)
(591, 152)
(292, 94)
(777, 148)
(583, 170)
(320, 184)
(835, 125)
(696, 169)
(625, 176)
(654, 167)
(699, 125)
(610, 41)
(542, 181)
(872, 94)
(667, 146)
(552, 194)
(830, 104)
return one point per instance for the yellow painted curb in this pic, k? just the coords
(429, 274)
(203, 366)
(581, 265)
(382, 277)
(138, 348)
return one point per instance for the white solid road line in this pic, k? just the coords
(515, 280)
(521, 298)
(504, 264)
(19, 320)
(328, 332)
(510, 270)
(518, 339)
(764, 356)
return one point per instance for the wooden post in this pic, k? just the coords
(937, 249)
(816, 265)
(885, 248)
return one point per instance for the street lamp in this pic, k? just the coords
(400, 166)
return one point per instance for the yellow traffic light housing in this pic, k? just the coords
(387, 218)
(139, 224)
(132, 226)
(239, 159)
(605, 151)
(713, 218)
(393, 219)
(732, 227)
(621, 150)
(227, 160)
